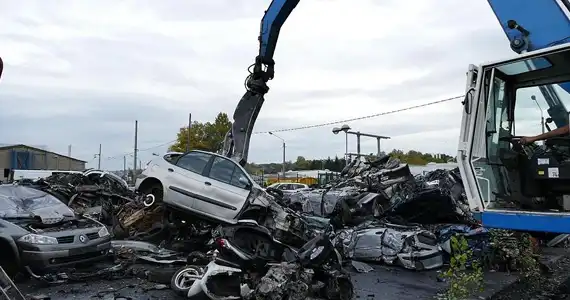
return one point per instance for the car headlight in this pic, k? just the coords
(38, 239)
(103, 232)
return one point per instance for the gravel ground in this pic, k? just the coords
(554, 284)
(383, 282)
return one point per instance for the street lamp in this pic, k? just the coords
(282, 140)
(344, 128)
(533, 97)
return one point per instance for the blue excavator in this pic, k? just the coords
(508, 184)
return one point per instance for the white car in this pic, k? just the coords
(287, 187)
(205, 184)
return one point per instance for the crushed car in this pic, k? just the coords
(216, 189)
(384, 212)
(39, 233)
(107, 198)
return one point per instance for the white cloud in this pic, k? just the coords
(81, 75)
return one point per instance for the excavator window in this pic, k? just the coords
(524, 97)
(532, 110)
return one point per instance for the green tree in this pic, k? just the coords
(204, 136)
(302, 164)
(414, 157)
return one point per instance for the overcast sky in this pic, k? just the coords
(81, 72)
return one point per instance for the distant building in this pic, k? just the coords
(32, 158)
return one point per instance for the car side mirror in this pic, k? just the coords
(1, 67)
(244, 181)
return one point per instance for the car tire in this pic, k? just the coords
(183, 279)
(8, 261)
(156, 190)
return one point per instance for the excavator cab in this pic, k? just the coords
(510, 185)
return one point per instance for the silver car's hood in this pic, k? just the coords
(25, 202)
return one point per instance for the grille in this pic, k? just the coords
(92, 236)
(65, 239)
(74, 258)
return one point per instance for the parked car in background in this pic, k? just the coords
(202, 183)
(40, 233)
(288, 187)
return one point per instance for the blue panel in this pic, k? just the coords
(544, 19)
(527, 221)
(21, 159)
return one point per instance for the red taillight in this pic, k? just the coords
(221, 242)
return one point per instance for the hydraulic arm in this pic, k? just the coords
(236, 144)
(529, 25)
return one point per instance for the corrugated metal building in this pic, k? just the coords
(32, 158)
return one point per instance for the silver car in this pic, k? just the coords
(200, 182)
(287, 187)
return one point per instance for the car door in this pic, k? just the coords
(185, 181)
(227, 194)
(287, 188)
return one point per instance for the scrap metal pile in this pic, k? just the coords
(376, 212)
(107, 198)
(388, 215)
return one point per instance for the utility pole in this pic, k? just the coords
(99, 155)
(282, 140)
(533, 97)
(188, 136)
(344, 128)
(135, 153)
(358, 142)
(283, 168)
(125, 166)
(69, 155)
(378, 146)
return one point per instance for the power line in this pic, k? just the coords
(315, 125)
(141, 150)
(363, 117)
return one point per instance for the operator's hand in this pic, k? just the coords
(527, 140)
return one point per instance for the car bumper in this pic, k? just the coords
(45, 258)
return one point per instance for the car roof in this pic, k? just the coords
(219, 155)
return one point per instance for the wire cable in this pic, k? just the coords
(363, 117)
(141, 150)
(312, 126)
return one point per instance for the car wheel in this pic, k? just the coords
(156, 190)
(184, 278)
(8, 260)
